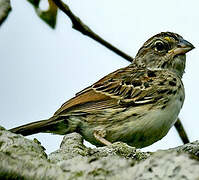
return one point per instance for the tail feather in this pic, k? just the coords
(33, 128)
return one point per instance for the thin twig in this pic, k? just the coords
(181, 131)
(84, 29)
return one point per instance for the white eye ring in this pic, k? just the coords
(159, 46)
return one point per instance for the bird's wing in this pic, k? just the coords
(130, 86)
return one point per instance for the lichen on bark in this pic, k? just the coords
(21, 158)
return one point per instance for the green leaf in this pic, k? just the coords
(35, 3)
(49, 16)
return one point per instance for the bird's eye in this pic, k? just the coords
(159, 46)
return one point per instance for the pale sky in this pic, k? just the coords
(41, 68)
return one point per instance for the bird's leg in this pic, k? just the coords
(99, 135)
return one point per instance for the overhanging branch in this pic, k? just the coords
(84, 29)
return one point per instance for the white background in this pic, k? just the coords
(41, 68)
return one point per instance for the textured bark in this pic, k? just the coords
(21, 158)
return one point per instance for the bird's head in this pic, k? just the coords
(165, 50)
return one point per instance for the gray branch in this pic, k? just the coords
(5, 8)
(21, 158)
(84, 29)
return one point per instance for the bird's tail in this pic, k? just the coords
(48, 125)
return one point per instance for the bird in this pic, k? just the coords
(137, 104)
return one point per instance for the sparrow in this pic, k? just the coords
(137, 104)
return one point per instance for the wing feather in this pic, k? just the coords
(130, 85)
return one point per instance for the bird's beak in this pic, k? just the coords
(182, 48)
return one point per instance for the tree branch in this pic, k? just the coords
(5, 9)
(84, 29)
(181, 131)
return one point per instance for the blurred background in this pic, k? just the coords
(41, 68)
